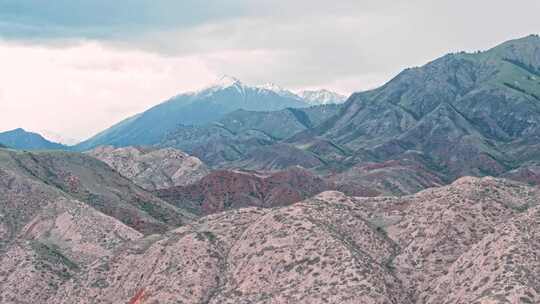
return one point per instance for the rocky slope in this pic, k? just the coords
(471, 114)
(407, 174)
(474, 241)
(224, 189)
(152, 168)
(90, 181)
(62, 212)
(318, 251)
(501, 267)
(462, 114)
(438, 229)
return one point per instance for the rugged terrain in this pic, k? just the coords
(469, 114)
(225, 189)
(464, 114)
(242, 134)
(60, 212)
(88, 180)
(152, 168)
(409, 224)
(474, 241)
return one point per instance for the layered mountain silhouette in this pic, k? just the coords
(195, 109)
(251, 213)
(240, 133)
(469, 111)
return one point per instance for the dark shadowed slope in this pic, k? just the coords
(241, 133)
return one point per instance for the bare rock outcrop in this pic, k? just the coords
(153, 168)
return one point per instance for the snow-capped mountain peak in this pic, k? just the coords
(278, 90)
(271, 87)
(221, 83)
(309, 97)
(227, 81)
(321, 97)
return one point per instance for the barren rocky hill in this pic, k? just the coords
(316, 251)
(61, 212)
(83, 178)
(474, 241)
(227, 189)
(152, 168)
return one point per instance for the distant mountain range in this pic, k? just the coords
(193, 109)
(199, 108)
(242, 133)
(23, 140)
(462, 114)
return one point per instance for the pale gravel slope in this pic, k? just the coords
(153, 168)
(315, 251)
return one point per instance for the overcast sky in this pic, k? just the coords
(76, 67)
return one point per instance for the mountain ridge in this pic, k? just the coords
(21, 139)
(194, 108)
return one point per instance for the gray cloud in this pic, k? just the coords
(301, 42)
(103, 19)
(116, 58)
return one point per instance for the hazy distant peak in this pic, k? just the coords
(221, 83)
(318, 97)
(227, 81)
(272, 87)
